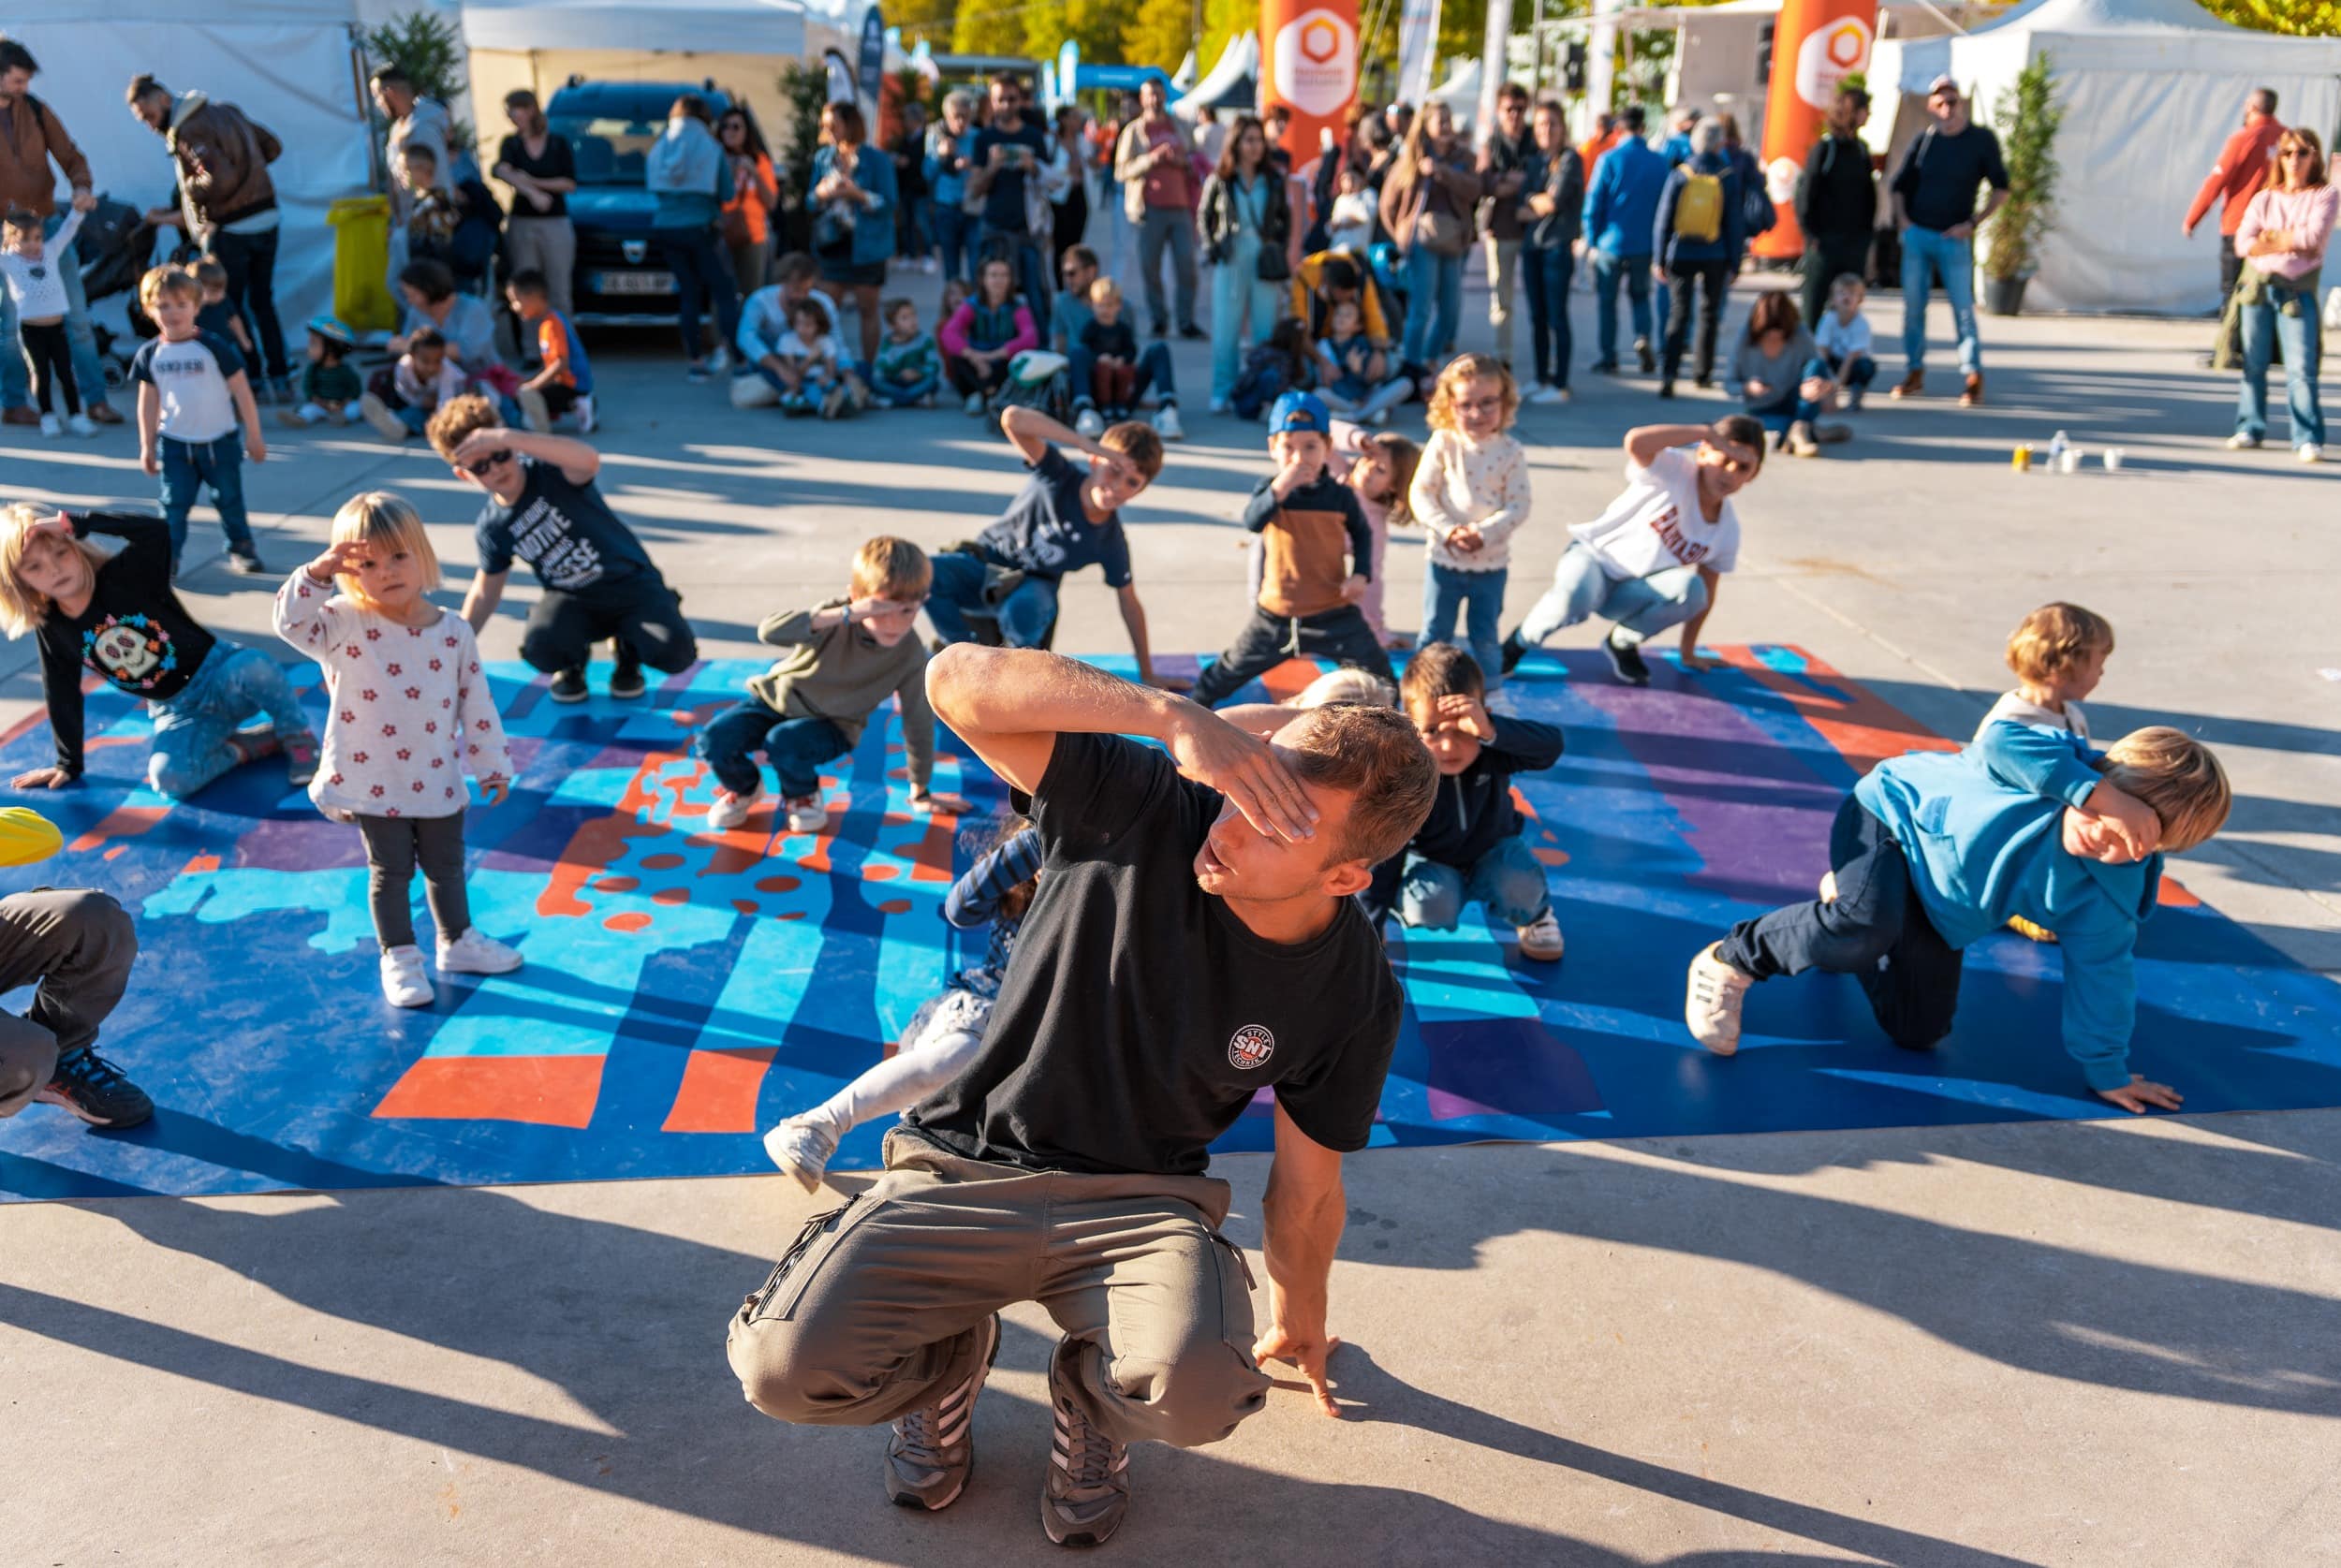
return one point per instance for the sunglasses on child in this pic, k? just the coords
(479, 470)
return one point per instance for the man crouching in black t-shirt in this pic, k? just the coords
(1193, 940)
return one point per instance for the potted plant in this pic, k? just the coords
(2027, 117)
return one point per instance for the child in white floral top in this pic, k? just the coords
(411, 715)
(1470, 490)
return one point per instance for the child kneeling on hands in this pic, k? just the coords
(846, 657)
(1474, 846)
(412, 714)
(1934, 850)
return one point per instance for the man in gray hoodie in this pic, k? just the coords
(684, 170)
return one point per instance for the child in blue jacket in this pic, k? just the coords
(1934, 850)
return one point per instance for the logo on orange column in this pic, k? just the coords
(1313, 62)
(1827, 56)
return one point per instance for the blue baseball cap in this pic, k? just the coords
(1300, 411)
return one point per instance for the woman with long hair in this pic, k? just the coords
(853, 231)
(2281, 243)
(1069, 213)
(540, 166)
(1249, 238)
(1427, 206)
(747, 213)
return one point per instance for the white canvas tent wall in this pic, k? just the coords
(1240, 59)
(289, 64)
(2150, 88)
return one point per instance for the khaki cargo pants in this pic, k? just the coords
(875, 1310)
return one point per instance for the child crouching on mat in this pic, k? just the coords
(1934, 850)
(1473, 847)
(411, 715)
(946, 1029)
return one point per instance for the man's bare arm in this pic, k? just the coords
(1300, 1219)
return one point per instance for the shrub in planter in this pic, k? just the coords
(2026, 118)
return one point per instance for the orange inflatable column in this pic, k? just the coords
(1815, 45)
(1310, 49)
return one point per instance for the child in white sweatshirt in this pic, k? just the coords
(1470, 491)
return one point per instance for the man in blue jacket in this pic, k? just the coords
(1934, 850)
(1698, 246)
(1621, 205)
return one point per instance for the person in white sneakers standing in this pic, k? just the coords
(411, 715)
(33, 268)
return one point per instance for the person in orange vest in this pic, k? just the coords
(2235, 179)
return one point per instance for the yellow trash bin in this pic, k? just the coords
(361, 262)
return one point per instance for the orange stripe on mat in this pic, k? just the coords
(718, 1092)
(1859, 725)
(545, 1091)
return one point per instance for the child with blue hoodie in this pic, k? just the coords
(1936, 850)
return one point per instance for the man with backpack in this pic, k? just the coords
(30, 136)
(227, 203)
(1935, 193)
(1697, 243)
(1836, 202)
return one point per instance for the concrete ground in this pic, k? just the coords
(2053, 1343)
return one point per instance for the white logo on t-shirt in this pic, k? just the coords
(1251, 1048)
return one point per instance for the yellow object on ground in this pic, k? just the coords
(26, 836)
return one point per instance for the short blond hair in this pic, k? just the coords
(1137, 441)
(891, 568)
(1102, 290)
(22, 610)
(1461, 371)
(2053, 638)
(457, 419)
(2178, 777)
(161, 281)
(387, 521)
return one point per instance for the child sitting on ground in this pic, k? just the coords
(1781, 376)
(193, 393)
(847, 655)
(1470, 493)
(1844, 340)
(1350, 367)
(1272, 368)
(909, 365)
(330, 389)
(1317, 557)
(218, 314)
(544, 508)
(564, 382)
(411, 715)
(810, 378)
(1656, 557)
(30, 266)
(2058, 654)
(984, 333)
(1070, 315)
(424, 377)
(1115, 381)
(1474, 846)
(1934, 851)
(946, 1032)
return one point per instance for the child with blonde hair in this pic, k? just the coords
(412, 714)
(2058, 654)
(30, 270)
(193, 395)
(1936, 850)
(1470, 493)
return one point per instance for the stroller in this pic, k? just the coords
(115, 247)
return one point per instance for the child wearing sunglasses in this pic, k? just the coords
(544, 508)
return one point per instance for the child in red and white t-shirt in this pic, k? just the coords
(411, 715)
(1656, 557)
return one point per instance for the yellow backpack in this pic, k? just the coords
(1698, 210)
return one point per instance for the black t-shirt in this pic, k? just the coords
(1004, 202)
(1045, 532)
(133, 632)
(1119, 340)
(567, 534)
(558, 163)
(1939, 178)
(1139, 1015)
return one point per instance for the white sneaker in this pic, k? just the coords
(82, 425)
(585, 420)
(1167, 423)
(1221, 405)
(2239, 442)
(1546, 395)
(801, 1146)
(377, 413)
(719, 361)
(731, 810)
(476, 952)
(2309, 451)
(973, 405)
(1540, 939)
(50, 426)
(535, 413)
(1089, 422)
(404, 983)
(1711, 1005)
(805, 814)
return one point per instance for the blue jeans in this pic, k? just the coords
(701, 268)
(190, 465)
(88, 374)
(1791, 406)
(1547, 273)
(1608, 272)
(903, 394)
(2303, 348)
(954, 238)
(1434, 305)
(1508, 879)
(1025, 616)
(1476, 598)
(918, 228)
(1854, 372)
(796, 747)
(1154, 373)
(1031, 276)
(1925, 252)
(1640, 606)
(191, 729)
(1243, 311)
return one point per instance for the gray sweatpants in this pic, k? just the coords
(79, 945)
(875, 1310)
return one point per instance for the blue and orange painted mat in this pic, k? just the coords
(684, 989)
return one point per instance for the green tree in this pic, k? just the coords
(930, 19)
(1222, 20)
(2026, 118)
(1158, 32)
(2308, 19)
(988, 27)
(428, 48)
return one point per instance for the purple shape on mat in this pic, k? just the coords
(1504, 1067)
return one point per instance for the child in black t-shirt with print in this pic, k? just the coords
(544, 508)
(1474, 846)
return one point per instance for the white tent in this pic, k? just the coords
(2150, 88)
(287, 64)
(1239, 60)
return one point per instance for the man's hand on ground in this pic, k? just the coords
(1309, 1354)
(2143, 1095)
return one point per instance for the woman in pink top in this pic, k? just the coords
(2282, 240)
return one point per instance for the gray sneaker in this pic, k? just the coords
(933, 1451)
(1088, 1488)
